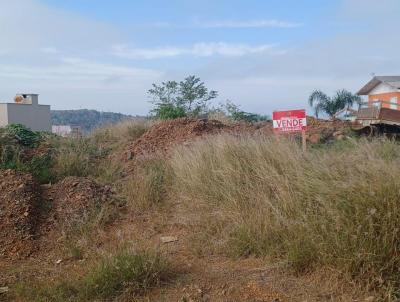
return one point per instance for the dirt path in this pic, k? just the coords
(216, 277)
(196, 278)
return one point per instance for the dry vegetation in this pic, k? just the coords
(329, 208)
(239, 204)
(124, 273)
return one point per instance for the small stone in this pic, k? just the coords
(168, 239)
(58, 261)
(26, 214)
(369, 299)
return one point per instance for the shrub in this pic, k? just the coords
(41, 168)
(76, 157)
(25, 136)
(16, 143)
(169, 111)
(126, 272)
(338, 208)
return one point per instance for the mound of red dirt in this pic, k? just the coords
(319, 130)
(74, 199)
(162, 136)
(19, 212)
(28, 211)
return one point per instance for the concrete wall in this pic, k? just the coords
(3, 115)
(36, 117)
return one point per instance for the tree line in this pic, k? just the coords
(191, 98)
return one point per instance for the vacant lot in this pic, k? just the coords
(196, 210)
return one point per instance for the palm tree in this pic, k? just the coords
(332, 105)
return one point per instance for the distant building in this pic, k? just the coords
(67, 130)
(383, 91)
(26, 111)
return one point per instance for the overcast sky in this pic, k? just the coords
(262, 54)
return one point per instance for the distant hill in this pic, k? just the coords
(87, 119)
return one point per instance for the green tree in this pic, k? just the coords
(342, 99)
(189, 97)
(235, 113)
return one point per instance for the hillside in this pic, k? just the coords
(87, 119)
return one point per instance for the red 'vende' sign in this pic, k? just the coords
(289, 121)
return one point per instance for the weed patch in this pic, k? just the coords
(125, 273)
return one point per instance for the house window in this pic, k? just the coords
(376, 103)
(393, 103)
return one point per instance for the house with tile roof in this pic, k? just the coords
(383, 91)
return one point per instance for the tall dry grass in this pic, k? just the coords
(90, 155)
(127, 130)
(147, 187)
(336, 208)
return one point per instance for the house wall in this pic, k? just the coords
(386, 93)
(3, 115)
(393, 97)
(36, 117)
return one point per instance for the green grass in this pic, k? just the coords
(125, 273)
(15, 142)
(76, 157)
(338, 207)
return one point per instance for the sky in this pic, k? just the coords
(264, 55)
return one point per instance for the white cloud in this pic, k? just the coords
(75, 69)
(198, 50)
(250, 24)
(64, 57)
(77, 83)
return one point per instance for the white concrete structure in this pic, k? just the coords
(67, 130)
(26, 111)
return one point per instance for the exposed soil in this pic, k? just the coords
(19, 207)
(42, 150)
(73, 199)
(321, 131)
(164, 135)
(29, 211)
